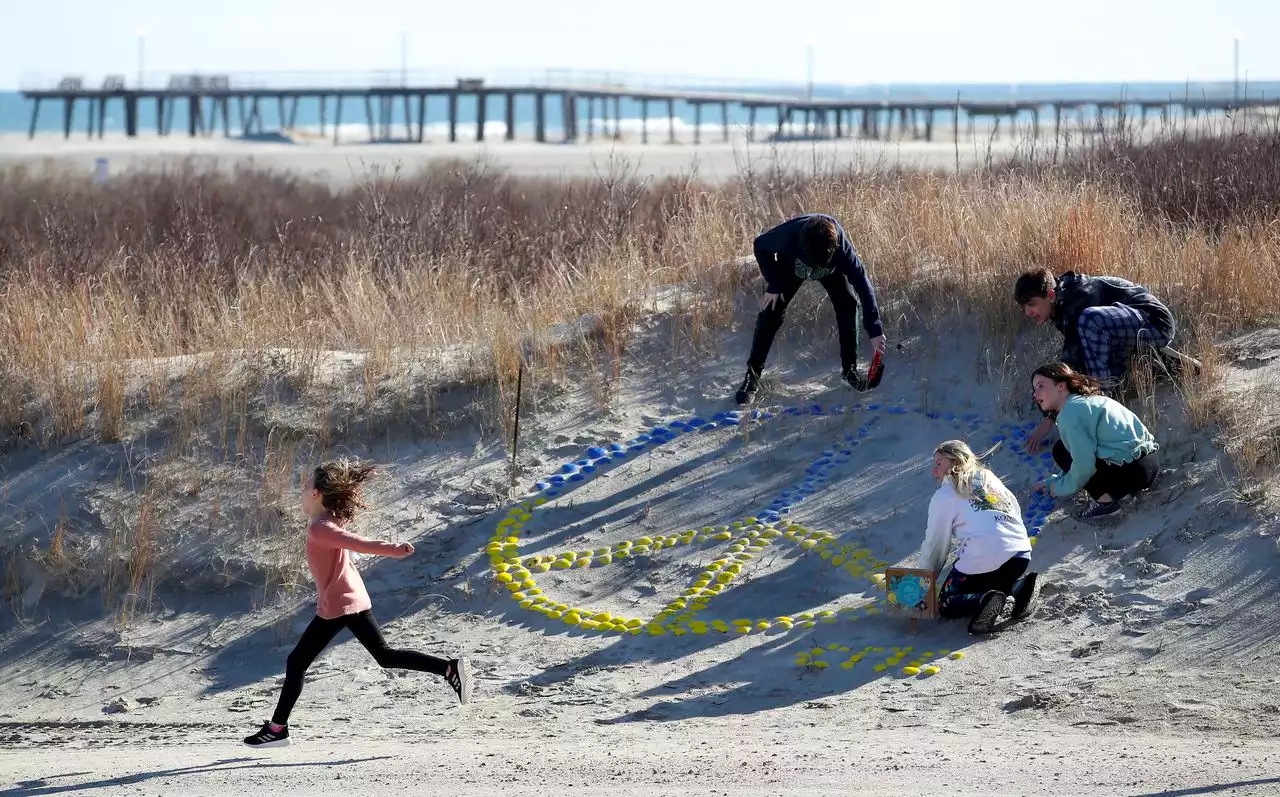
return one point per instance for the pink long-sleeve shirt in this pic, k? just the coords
(339, 588)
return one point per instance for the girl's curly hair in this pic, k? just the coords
(340, 484)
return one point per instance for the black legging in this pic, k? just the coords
(961, 593)
(843, 301)
(321, 632)
(1114, 480)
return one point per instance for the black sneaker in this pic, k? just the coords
(1112, 387)
(268, 738)
(1022, 596)
(459, 677)
(1099, 511)
(1175, 363)
(856, 380)
(988, 613)
(750, 386)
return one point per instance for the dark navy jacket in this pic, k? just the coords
(1074, 293)
(781, 256)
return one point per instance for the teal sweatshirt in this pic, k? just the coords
(1093, 428)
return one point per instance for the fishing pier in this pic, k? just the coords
(584, 109)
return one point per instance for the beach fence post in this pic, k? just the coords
(515, 436)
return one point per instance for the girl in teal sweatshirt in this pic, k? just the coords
(1104, 448)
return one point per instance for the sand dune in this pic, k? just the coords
(1147, 668)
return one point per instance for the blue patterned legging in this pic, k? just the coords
(1110, 335)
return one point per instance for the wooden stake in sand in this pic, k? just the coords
(515, 436)
(912, 593)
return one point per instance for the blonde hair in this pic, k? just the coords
(966, 466)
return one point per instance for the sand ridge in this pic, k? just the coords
(1147, 664)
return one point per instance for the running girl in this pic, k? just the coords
(331, 499)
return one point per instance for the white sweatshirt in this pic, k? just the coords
(988, 527)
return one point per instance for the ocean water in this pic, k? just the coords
(15, 110)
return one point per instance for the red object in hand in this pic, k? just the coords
(876, 371)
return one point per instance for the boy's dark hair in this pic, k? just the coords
(340, 485)
(1034, 284)
(819, 238)
(1078, 384)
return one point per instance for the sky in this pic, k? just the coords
(853, 42)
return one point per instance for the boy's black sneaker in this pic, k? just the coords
(856, 380)
(268, 738)
(750, 386)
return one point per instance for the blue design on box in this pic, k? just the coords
(910, 592)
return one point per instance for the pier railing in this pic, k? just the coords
(399, 78)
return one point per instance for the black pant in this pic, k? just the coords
(1114, 480)
(843, 300)
(961, 593)
(365, 629)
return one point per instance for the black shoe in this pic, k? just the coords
(1023, 595)
(1099, 511)
(988, 613)
(856, 380)
(1175, 363)
(750, 386)
(268, 738)
(1112, 387)
(459, 677)
(1158, 477)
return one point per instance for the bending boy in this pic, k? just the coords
(811, 247)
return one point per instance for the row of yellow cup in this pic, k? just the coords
(680, 615)
(923, 664)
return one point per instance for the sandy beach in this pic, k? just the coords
(712, 160)
(1147, 668)
(825, 754)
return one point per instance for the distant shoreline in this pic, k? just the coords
(713, 159)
